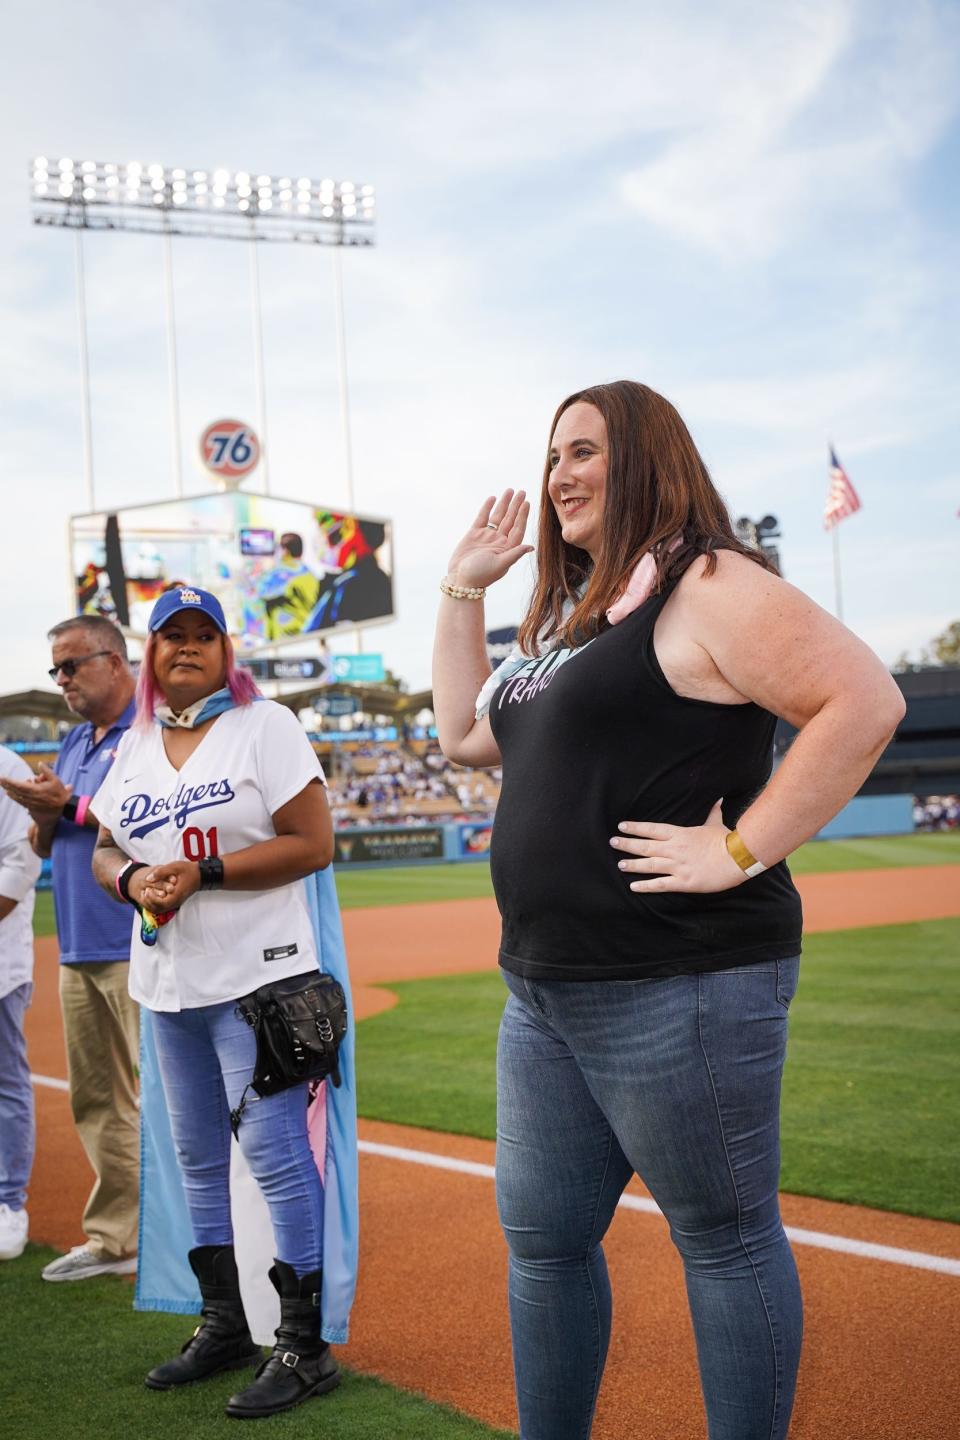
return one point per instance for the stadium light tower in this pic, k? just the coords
(761, 535)
(217, 204)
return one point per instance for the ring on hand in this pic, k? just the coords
(491, 526)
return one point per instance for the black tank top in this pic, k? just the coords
(590, 737)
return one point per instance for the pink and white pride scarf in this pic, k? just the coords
(638, 589)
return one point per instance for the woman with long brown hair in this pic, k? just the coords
(651, 931)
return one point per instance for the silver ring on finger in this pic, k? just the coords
(490, 525)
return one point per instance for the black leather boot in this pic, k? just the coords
(221, 1341)
(300, 1364)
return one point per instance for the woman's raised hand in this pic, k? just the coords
(494, 541)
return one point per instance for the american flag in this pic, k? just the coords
(842, 500)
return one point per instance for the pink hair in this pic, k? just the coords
(240, 683)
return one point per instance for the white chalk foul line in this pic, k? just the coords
(891, 1254)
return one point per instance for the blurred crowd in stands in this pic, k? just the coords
(936, 812)
(390, 784)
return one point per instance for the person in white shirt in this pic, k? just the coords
(19, 871)
(212, 817)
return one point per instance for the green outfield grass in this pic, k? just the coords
(43, 921)
(421, 884)
(881, 852)
(869, 1091)
(413, 884)
(76, 1356)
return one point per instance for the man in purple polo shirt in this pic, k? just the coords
(100, 1021)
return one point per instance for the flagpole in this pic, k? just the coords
(837, 589)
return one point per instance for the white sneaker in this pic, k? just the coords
(81, 1264)
(13, 1232)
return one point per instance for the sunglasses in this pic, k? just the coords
(70, 667)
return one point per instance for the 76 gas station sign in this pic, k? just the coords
(229, 449)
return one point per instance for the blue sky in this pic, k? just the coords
(751, 207)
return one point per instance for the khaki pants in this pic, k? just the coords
(101, 1026)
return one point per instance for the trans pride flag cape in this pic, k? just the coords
(164, 1278)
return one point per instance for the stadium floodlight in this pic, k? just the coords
(217, 204)
(226, 204)
(761, 535)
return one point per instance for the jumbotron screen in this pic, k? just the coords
(282, 569)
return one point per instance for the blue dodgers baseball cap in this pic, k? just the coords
(185, 597)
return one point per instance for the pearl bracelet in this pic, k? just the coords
(462, 592)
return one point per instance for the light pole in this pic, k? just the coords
(86, 419)
(761, 535)
(216, 204)
(173, 383)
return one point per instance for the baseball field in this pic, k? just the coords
(871, 1182)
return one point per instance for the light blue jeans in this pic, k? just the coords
(679, 1080)
(17, 1125)
(206, 1057)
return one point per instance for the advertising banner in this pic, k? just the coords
(282, 569)
(354, 847)
(358, 669)
(345, 737)
(336, 705)
(303, 668)
(229, 449)
(474, 840)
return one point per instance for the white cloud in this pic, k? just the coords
(800, 133)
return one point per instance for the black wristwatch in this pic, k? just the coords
(70, 808)
(211, 873)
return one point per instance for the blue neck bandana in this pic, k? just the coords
(197, 713)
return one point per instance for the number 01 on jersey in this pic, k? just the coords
(199, 844)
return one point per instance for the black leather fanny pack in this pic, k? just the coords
(299, 1023)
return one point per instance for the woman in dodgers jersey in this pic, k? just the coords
(213, 813)
(650, 927)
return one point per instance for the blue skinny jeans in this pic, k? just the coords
(206, 1057)
(679, 1080)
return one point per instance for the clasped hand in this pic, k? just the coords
(691, 858)
(165, 887)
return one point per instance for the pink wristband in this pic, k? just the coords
(83, 805)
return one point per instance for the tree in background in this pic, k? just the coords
(944, 649)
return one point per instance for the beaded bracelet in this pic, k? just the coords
(461, 592)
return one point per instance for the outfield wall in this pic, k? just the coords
(367, 846)
(871, 815)
(362, 847)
